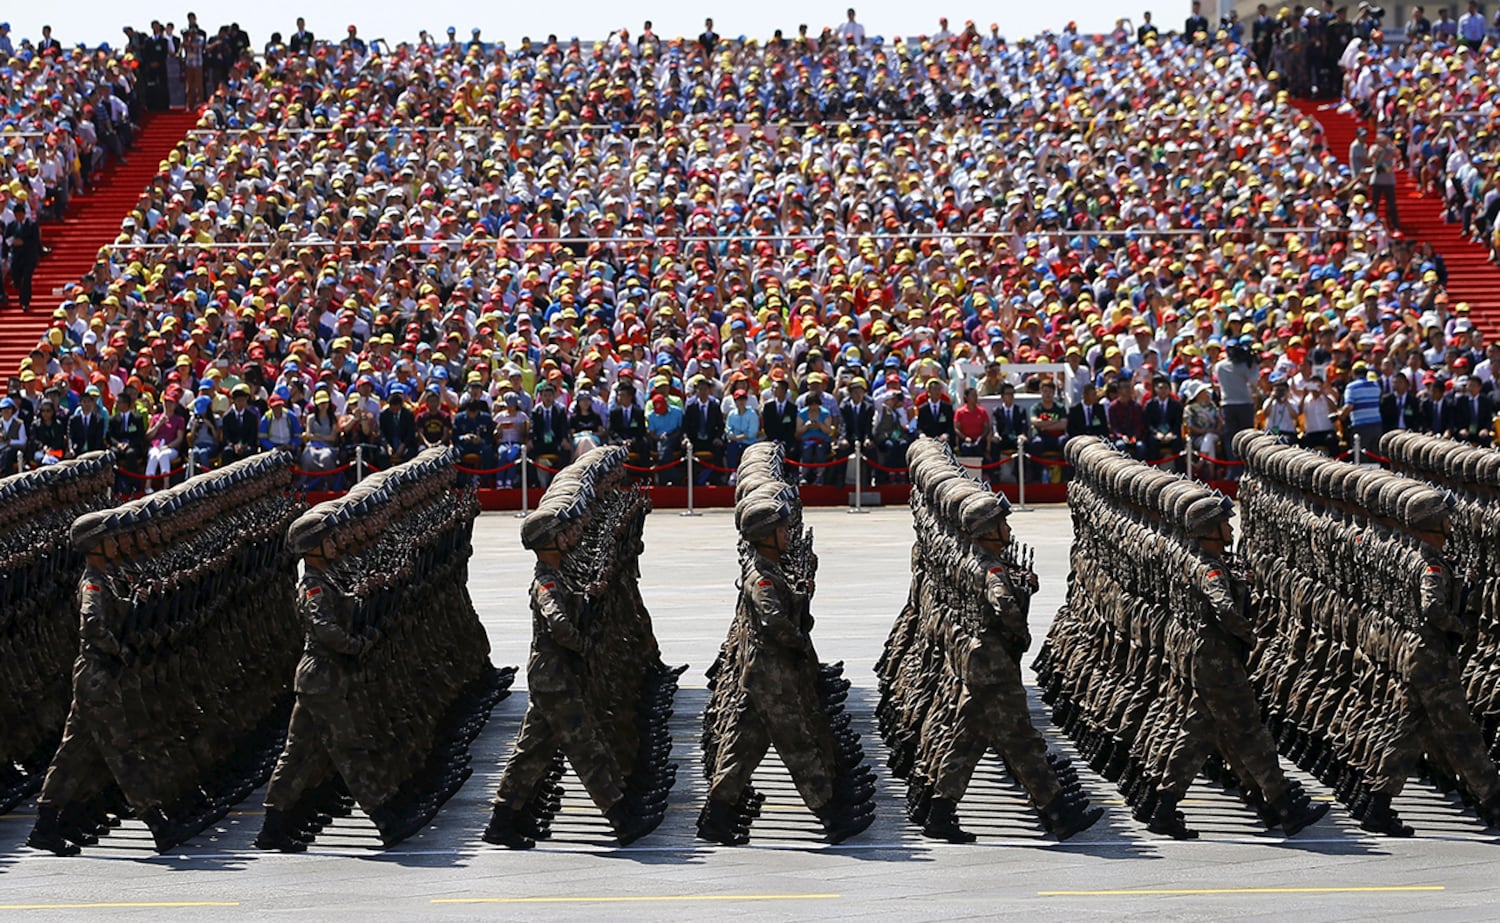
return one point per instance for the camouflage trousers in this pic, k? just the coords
(560, 721)
(996, 715)
(779, 707)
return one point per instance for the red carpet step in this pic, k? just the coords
(92, 221)
(1471, 276)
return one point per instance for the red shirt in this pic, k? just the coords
(970, 421)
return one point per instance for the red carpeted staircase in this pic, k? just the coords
(1471, 276)
(92, 221)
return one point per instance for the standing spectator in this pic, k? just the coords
(23, 246)
(1279, 413)
(741, 428)
(708, 39)
(1196, 24)
(1147, 31)
(857, 422)
(851, 32)
(165, 436)
(12, 437)
(1400, 409)
(1317, 408)
(1238, 378)
(87, 426)
(240, 428)
(194, 44)
(1361, 410)
(301, 41)
(1471, 27)
(1382, 175)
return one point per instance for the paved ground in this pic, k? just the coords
(1331, 872)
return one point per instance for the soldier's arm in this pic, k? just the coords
(999, 597)
(323, 627)
(771, 615)
(93, 609)
(559, 623)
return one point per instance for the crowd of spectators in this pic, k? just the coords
(687, 245)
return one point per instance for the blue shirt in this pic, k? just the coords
(742, 425)
(664, 424)
(1363, 399)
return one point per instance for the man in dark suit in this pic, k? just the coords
(857, 424)
(1088, 417)
(549, 431)
(87, 426)
(1012, 424)
(703, 426)
(240, 426)
(627, 423)
(1430, 407)
(1469, 413)
(935, 417)
(47, 44)
(1163, 420)
(1400, 409)
(301, 41)
(24, 246)
(778, 417)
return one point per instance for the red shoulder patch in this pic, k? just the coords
(997, 570)
(314, 591)
(549, 586)
(767, 582)
(1215, 573)
(92, 587)
(1434, 569)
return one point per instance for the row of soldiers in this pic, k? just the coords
(188, 641)
(950, 674)
(767, 685)
(38, 622)
(1359, 626)
(1144, 666)
(394, 680)
(1472, 475)
(599, 695)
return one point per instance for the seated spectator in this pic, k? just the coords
(1011, 426)
(165, 436)
(550, 442)
(12, 437)
(127, 433)
(664, 427)
(239, 429)
(88, 425)
(204, 439)
(1090, 417)
(1400, 409)
(280, 428)
(586, 426)
(816, 429)
(48, 437)
(1204, 421)
(935, 414)
(1468, 414)
(627, 423)
(1163, 421)
(433, 422)
(892, 432)
(741, 429)
(320, 447)
(1049, 427)
(398, 431)
(857, 425)
(972, 425)
(512, 428)
(779, 418)
(703, 425)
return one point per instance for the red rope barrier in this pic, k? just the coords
(1169, 460)
(488, 471)
(651, 469)
(1380, 458)
(879, 467)
(541, 467)
(142, 477)
(323, 474)
(828, 464)
(1049, 463)
(711, 466)
(1219, 461)
(1002, 460)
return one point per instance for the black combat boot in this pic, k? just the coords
(942, 822)
(1068, 814)
(1380, 818)
(47, 834)
(628, 825)
(1166, 820)
(1297, 811)
(719, 823)
(276, 834)
(1489, 810)
(504, 831)
(842, 822)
